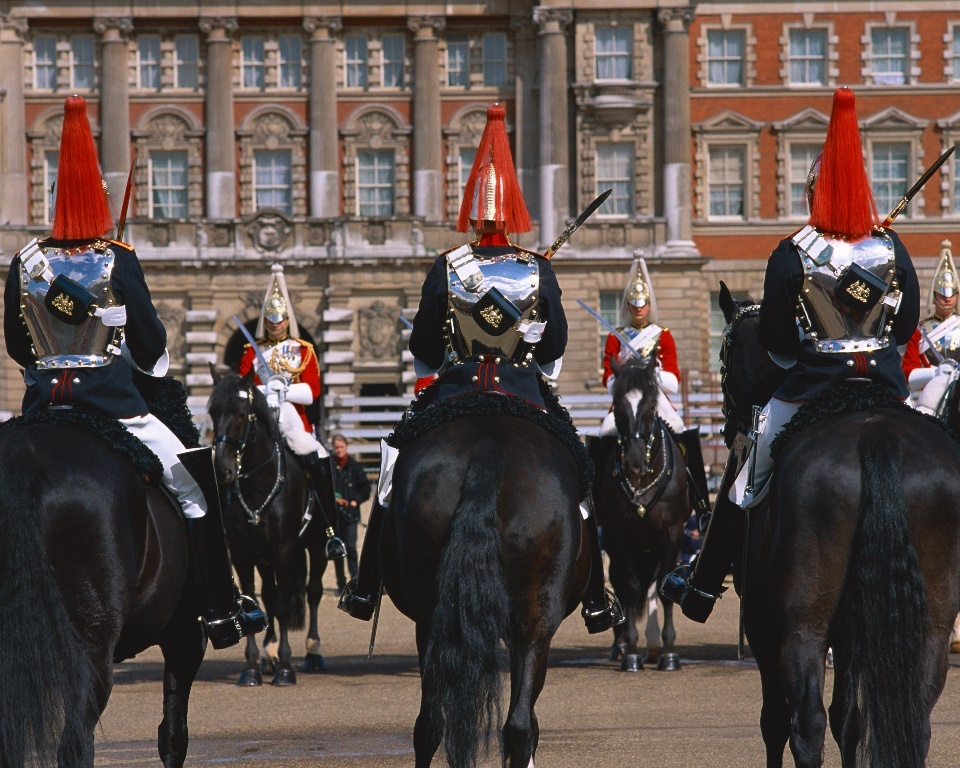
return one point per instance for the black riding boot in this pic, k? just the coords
(601, 609)
(600, 449)
(697, 592)
(320, 470)
(227, 615)
(690, 439)
(359, 597)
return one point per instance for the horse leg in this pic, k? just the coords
(652, 632)
(286, 597)
(837, 711)
(318, 563)
(426, 734)
(631, 661)
(182, 654)
(765, 643)
(802, 671)
(250, 676)
(528, 672)
(268, 585)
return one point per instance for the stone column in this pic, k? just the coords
(526, 151)
(221, 179)
(14, 190)
(427, 137)
(554, 120)
(677, 193)
(324, 154)
(114, 105)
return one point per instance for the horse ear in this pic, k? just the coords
(213, 373)
(615, 365)
(727, 305)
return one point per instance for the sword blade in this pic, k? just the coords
(264, 365)
(898, 209)
(586, 214)
(624, 341)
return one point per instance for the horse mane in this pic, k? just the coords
(227, 393)
(637, 375)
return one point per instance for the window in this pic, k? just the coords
(271, 179)
(45, 62)
(391, 61)
(801, 157)
(725, 53)
(356, 51)
(615, 171)
(252, 62)
(956, 53)
(890, 165)
(291, 69)
(614, 53)
(458, 52)
(148, 62)
(375, 182)
(808, 56)
(185, 64)
(888, 55)
(494, 60)
(467, 156)
(168, 185)
(726, 185)
(50, 159)
(81, 64)
(609, 311)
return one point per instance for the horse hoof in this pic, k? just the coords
(631, 663)
(653, 654)
(285, 677)
(267, 666)
(314, 663)
(250, 677)
(669, 662)
(616, 651)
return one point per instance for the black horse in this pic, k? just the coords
(858, 550)
(642, 504)
(483, 544)
(266, 493)
(94, 569)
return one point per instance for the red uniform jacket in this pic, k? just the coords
(912, 359)
(666, 354)
(307, 372)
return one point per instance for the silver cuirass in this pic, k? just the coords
(516, 276)
(943, 335)
(59, 344)
(825, 313)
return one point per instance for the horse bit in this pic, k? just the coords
(634, 494)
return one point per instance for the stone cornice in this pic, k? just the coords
(676, 19)
(429, 24)
(552, 20)
(13, 27)
(323, 27)
(115, 28)
(225, 24)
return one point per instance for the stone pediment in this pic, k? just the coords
(810, 120)
(892, 118)
(949, 122)
(729, 121)
(269, 231)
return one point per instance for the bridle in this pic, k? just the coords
(729, 407)
(276, 455)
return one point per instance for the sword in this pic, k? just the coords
(126, 201)
(405, 322)
(376, 621)
(264, 365)
(587, 213)
(934, 352)
(898, 209)
(623, 339)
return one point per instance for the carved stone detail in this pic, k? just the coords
(228, 24)
(172, 316)
(122, 25)
(269, 232)
(332, 25)
(667, 17)
(379, 337)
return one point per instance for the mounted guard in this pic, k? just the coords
(79, 319)
(289, 377)
(490, 321)
(840, 296)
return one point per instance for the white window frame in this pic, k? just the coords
(614, 57)
(727, 58)
(44, 64)
(75, 65)
(896, 192)
(806, 59)
(181, 65)
(731, 129)
(465, 159)
(250, 65)
(608, 305)
(358, 64)
(489, 61)
(951, 52)
(261, 154)
(912, 55)
(156, 209)
(464, 64)
(392, 63)
(893, 126)
(363, 209)
(612, 205)
(798, 176)
(151, 61)
(51, 158)
(289, 67)
(744, 181)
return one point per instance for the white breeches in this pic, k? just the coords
(773, 417)
(665, 409)
(933, 393)
(388, 457)
(298, 439)
(159, 439)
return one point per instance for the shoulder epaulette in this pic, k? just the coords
(444, 253)
(303, 343)
(529, 252)
(125, 246)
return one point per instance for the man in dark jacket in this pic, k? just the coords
(353, 489)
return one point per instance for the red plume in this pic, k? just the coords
(842, 199)
(511, 211)
(81, 210)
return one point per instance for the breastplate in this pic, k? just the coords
(479, 324)
(284, 358)
(832, 323)
(59, 344)
(948, 345)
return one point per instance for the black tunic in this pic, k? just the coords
(815, 371)
(427, 342)
(109, 389)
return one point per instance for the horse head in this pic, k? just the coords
(237, 408)
(747, 374)
(635, 392)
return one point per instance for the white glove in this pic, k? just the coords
(919, 377)
(299, 393)
(668, 382)
(275, 389)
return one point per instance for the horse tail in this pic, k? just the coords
(461, 671)
(46, 697)
(884, 609)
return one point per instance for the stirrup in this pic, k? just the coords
(609, 616)
(358, 606)
(247, 619)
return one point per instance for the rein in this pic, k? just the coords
(660, 481)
